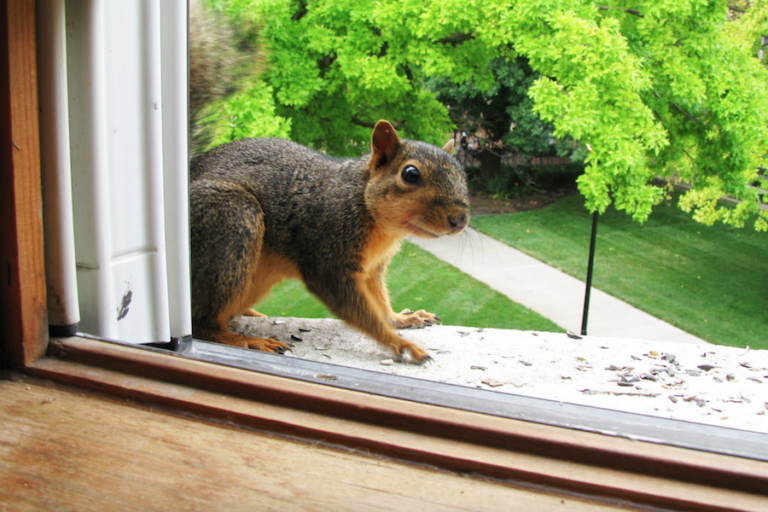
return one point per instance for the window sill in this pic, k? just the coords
(563, 460)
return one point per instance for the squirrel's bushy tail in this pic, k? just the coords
(220, 63)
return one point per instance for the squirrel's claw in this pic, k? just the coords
(417, 354)
(426, 359)
(408, 319)
(267, 345)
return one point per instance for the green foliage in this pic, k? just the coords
(665, 88)
(502, 112)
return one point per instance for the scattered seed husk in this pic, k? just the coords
(482, 368)
(492, 383)
(296, 338)
(326, 376)
(705, 367)
(304, 329)
(525, 363)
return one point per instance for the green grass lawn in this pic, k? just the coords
(709, 281)
(418, 280)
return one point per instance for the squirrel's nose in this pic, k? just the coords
(457, 222)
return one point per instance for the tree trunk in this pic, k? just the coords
(490, 164)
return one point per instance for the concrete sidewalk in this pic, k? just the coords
(548, 291)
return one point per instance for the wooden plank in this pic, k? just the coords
(70, 451)
(609, 467)
(23, 319)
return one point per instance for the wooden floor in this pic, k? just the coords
(65, 450)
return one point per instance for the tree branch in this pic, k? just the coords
(301, 12)
(384, 47)
(408, 73)
(456, 39)
(633, 12)
(326, 62)
(733, 7)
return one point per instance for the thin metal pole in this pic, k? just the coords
(590, 269)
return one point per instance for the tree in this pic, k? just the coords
(666, 88)
(501, 115)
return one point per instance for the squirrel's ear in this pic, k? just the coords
(384, 143)
(448, 148)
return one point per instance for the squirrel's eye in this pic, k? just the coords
(411, 175)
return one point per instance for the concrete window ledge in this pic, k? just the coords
(707, 384)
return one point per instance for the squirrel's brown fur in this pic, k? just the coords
(263, 210)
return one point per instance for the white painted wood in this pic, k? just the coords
(61, 278)
(175, 107)
(90, 164)
(122, 161)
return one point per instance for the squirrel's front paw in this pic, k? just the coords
(416, 353)
(407, 319)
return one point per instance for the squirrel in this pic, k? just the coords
(263, 210)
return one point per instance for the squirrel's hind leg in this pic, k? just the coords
(226, 337)
(227, 231)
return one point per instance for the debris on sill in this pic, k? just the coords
(722, 386)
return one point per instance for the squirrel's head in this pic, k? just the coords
(414, 186)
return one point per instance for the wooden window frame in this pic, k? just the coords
(550, 459)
